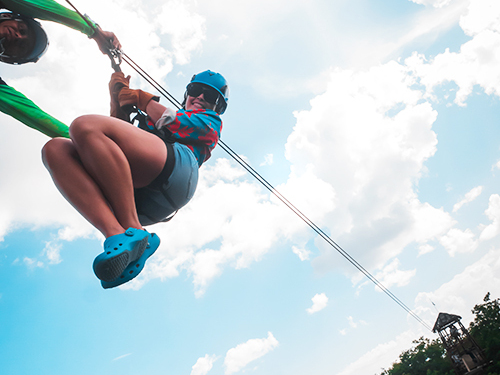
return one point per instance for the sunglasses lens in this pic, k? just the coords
(209, 94)
(194, 90)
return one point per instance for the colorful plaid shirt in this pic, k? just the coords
(198, 129)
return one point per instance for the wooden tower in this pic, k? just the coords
(465, 354)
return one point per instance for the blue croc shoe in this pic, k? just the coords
(119, 251)
(134, 268)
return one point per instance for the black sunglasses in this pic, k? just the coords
(210, 95)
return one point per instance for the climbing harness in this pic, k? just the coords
(117, 56)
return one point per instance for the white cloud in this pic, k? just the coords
(240, 356)
(425, 27)
(359, 160)
(457, 296)
(70, 79)
(242, 230)
(364, 155)
(203, 365)
(186, 28)
(32, 263)
(268, 160)
(359, 174)
(319, 303)
(382, 356)
(53, 252)
(352, 325)
(391, 275)
(493, 213)
(481, 15)
(373, 157)
(122, 356)
(371, 148)
(424, 249)
(457, 241)
(464, 290)
(477, 61)
(303, 254)
(434, 3)
(469, 197)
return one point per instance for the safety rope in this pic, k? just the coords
(118, 55)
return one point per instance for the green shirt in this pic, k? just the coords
(12, 102)
(15, 104)
(48, 10)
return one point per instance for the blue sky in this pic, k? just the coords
(377, 119)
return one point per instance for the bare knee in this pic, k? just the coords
(56, 150)
(84, 126)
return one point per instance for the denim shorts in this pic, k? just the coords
(171, 190)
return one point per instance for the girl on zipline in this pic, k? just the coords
(23, 40)
(121, 177)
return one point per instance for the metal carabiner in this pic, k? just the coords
(115, 55)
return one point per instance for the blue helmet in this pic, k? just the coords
(38, 40)
(217, 82)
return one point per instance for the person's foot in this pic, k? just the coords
(134, 268)
(119, 251)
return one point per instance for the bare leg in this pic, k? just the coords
(76, 185)
(106, 159)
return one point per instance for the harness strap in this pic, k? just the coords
(164, 175)
(161, 180)
(159, 220)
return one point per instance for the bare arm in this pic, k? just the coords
(155, 110)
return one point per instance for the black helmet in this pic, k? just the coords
(38, 41)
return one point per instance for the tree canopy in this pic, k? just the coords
(486, 331)
(428, 357)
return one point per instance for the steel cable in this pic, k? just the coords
(265, 183)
